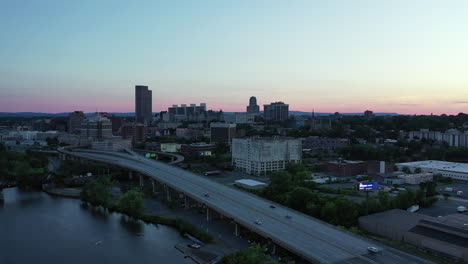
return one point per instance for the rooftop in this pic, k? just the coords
(437, 165)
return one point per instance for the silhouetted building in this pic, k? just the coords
(134, 131)
(368, 114)
(253, 108)
(278, 111)
(143, 104)
(59, 124)
(222, 132)
(74, 122)
(346, 168)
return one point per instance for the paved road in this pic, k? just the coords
(308, 237)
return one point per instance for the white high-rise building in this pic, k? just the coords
(258, 156)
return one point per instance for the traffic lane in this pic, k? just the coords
(302, 243)
(150, 173)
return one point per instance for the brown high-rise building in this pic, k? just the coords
(134, 131)
(143, 104)
(74, 122)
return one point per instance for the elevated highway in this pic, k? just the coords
(309, 238)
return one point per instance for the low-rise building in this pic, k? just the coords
(258, 156)
(346, 168)
(250, 184)
(416, 178)
(200, 149)
(447, 234)
(454, 170)
(170, 147)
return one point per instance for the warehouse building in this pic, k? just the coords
(454, 170)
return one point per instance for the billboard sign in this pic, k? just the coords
(364, 186)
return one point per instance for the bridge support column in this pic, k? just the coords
(141, 180)
(130, 175)
(152, 184)
(236, 229)
(186, 202)
(273, 249)
(168, 194)
(208, 214)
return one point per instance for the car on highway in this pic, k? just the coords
(206, 195)
(288, 216)
(258, 222)
(374, 249)
(272, 206)
(194, 245)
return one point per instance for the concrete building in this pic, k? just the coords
(346, 168)
(170, 147)
(222, 132)
(189, 133)
(447, 234)
(136, 132)
(250, 184)
(253, 108)
(96, 127)
(453, 137)
(74, 122)
(454, 170)
(415, 179)
(278, 111)
(143, 104)
(258, 156)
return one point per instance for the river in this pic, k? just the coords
(38, 228)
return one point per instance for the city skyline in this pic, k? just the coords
(404, 57)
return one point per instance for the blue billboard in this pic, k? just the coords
(364, 186)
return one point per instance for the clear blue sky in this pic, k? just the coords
(347, 56)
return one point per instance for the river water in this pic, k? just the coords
(38, 228)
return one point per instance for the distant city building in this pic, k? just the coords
(368, 114)
(74, 122)
(258, 156)
(253, 108)
(134, 131)
(170, 147)
(117, 122)
(222, 132)
(453, 137)
(278, 111)
(95, 128)
(320, 143)
(191, 112)
(143, 104)
(189, 133)
(454, 170)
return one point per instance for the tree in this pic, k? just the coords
(97, 191)
(255, 254)
(299, 197)
(132, 202)
(281, 181)
(406, 170)
(417, 170)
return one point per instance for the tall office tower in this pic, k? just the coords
(278, 111)
(74, 122)
(143, 104)
(253, 108)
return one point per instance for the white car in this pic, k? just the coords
(258, 222)
(195, 246)
(374, 249)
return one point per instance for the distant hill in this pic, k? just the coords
(131, 114)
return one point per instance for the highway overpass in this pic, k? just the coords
(309, 238)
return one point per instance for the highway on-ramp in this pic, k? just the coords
(303, 235)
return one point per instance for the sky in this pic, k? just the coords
(405, 56)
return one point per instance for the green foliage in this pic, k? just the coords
(132, 202)
(370, 152)
(406, 170)
(255, 254)
(96, 191)
(26, 169)
(222, 148)
(417, 170)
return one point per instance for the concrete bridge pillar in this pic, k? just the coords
(168, 194)
(236, 229)
(208, 214)
(141, 180)
(152, 184)
(273, 249)
(186, 202)
(130, 175)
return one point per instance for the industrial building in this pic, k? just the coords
(346, 168)
(258, 156)
(446, 234)
(454, 170)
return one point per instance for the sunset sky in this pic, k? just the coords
(405, 56)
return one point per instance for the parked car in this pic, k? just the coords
(195, 246)
(206, 195)
(288, 216)
(374, 249)
(258, 222)
(272, 206)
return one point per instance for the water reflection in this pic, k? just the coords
(132, 225)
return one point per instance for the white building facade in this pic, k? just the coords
(258, 156)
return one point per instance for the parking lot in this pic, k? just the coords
(443, 208)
